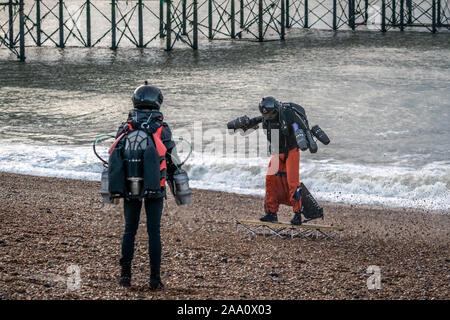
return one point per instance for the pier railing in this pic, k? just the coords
(145, 23)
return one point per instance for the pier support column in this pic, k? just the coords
(21, 32)
(306, 25)
(195, 26)
(183, 14)
(38, 23)
(288, 22)
(334, 15)
(113, 25)
(409, 6)
(61, 24)
(402, 14)
(11, 23)
(233, 20)
(283, 22)
(241, 17)
(88, 24)
(438, 13)
(241, 11)
(140, 25)
(161, 18)
(260, 21)
(383, 16)
(433, 16)
(351, 14)
(366, 11)
(168, 25)
(394, 14)
(210, 20)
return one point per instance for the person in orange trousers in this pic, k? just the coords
(283, 184)
(287, 130)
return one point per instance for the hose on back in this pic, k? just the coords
(98, 139)
(107, 136)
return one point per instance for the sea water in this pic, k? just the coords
(383, 99)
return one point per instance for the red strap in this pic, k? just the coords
(160, 147)
(116, 142)
(159, 131)
(118, 139)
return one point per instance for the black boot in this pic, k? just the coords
(297, 219)
(269, 217)
(155, 280)
(125, 276)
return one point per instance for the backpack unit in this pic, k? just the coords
(137, 164)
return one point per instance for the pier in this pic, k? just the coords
(171, 23)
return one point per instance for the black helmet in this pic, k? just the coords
(269, 108)
(147, 97)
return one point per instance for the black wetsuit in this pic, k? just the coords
(153, 210)
(286, 134)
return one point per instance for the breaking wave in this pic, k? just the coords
(426, 187)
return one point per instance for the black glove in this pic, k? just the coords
(239, 123)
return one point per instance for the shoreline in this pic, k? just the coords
(361, 205)
(49, 224)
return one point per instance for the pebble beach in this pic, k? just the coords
(50, 227)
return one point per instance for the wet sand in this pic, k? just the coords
(49, 224)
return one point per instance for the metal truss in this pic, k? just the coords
(6, 28)
(374, 14)
(323, 14)
(182, 22)
(241, 18)
(295, 13)
(42, 11)
(220, 21)
(319, 14)
(261, 18)
(124, 21)
(443, 14)
(15, 43)
(384, 15)
(421, 11)
(283, 230)
(140, 22)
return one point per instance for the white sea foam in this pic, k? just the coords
(427, 187)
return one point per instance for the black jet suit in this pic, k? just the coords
(153, 210)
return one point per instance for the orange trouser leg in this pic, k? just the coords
(274, 185)
(280, 190)
(293, 177)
